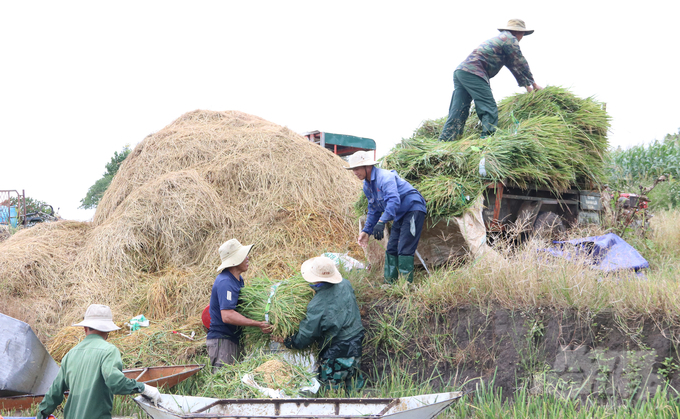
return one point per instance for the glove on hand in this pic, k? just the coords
(152, 393)
(379, 231)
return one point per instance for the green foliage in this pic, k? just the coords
(96, 191)
(32, 205)
(641, 165)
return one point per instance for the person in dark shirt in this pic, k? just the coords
(471, 80)
(225, 322)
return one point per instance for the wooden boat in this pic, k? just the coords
(164, 376)
(173, 406)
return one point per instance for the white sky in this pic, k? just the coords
(79, 80)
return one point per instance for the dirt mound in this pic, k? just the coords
(205, 178)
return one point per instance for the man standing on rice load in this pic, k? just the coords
(471, 80)
(390, 198)
(225, 322)
(334, 322)
(92, 373)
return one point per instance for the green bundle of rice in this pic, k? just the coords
(549, 138)
(286, 307)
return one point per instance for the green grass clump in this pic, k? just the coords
(287, 308)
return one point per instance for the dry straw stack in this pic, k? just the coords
(152, 246)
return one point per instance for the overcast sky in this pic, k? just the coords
(80, 80)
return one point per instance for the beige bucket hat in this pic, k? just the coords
(361, 158)
(99, 317)
(517, 25)
(232, 253)
(320, 269)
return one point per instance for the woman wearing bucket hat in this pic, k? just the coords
(225, 322)
(471, 79)
(92, 373)
(390, 198)
(333, 321)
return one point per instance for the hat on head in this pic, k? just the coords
(361, 158)
(99, 317)
(320, 269)
(232, 253)
(517, 25)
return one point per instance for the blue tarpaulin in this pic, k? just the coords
(607, 253)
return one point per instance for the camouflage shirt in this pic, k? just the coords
(502, 50)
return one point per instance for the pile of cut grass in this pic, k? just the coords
(269, 370)
(549, 138)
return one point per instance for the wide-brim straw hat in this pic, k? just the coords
(99, 317)
(232, 253)
(320, 269)
(360, 158)
(517, 25)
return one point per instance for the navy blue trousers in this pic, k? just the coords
(405, 234)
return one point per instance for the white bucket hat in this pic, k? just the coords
(320, 269)
(232, 253)
(99, 317)
(517, 25)
(361, 158)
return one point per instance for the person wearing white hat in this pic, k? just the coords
(390, 198)
(92, 373)
(334, 322)
(224, 333)
(471, 79)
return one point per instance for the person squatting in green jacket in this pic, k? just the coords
(333, 321)
(92, 372)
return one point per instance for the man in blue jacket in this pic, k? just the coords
(390, 198)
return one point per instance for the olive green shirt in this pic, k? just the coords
(92, 373)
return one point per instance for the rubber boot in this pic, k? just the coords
(391, 272)
(406, 267)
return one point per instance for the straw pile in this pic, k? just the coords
(549, 138)
(286, 307)
(152, 246)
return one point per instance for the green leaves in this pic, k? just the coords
(96, 191)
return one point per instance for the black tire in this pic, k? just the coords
(549, 225)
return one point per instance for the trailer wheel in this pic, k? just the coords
(548, 225)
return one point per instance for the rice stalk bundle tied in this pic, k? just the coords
(287, 308)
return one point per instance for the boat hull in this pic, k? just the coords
(415, 407)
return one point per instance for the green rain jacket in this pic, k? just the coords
(92, 373)
(333, 321)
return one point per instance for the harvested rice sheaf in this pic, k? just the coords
(282, 303)
(549, 138)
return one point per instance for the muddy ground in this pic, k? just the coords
(564, 352)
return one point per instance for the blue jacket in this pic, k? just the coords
(389, 198)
